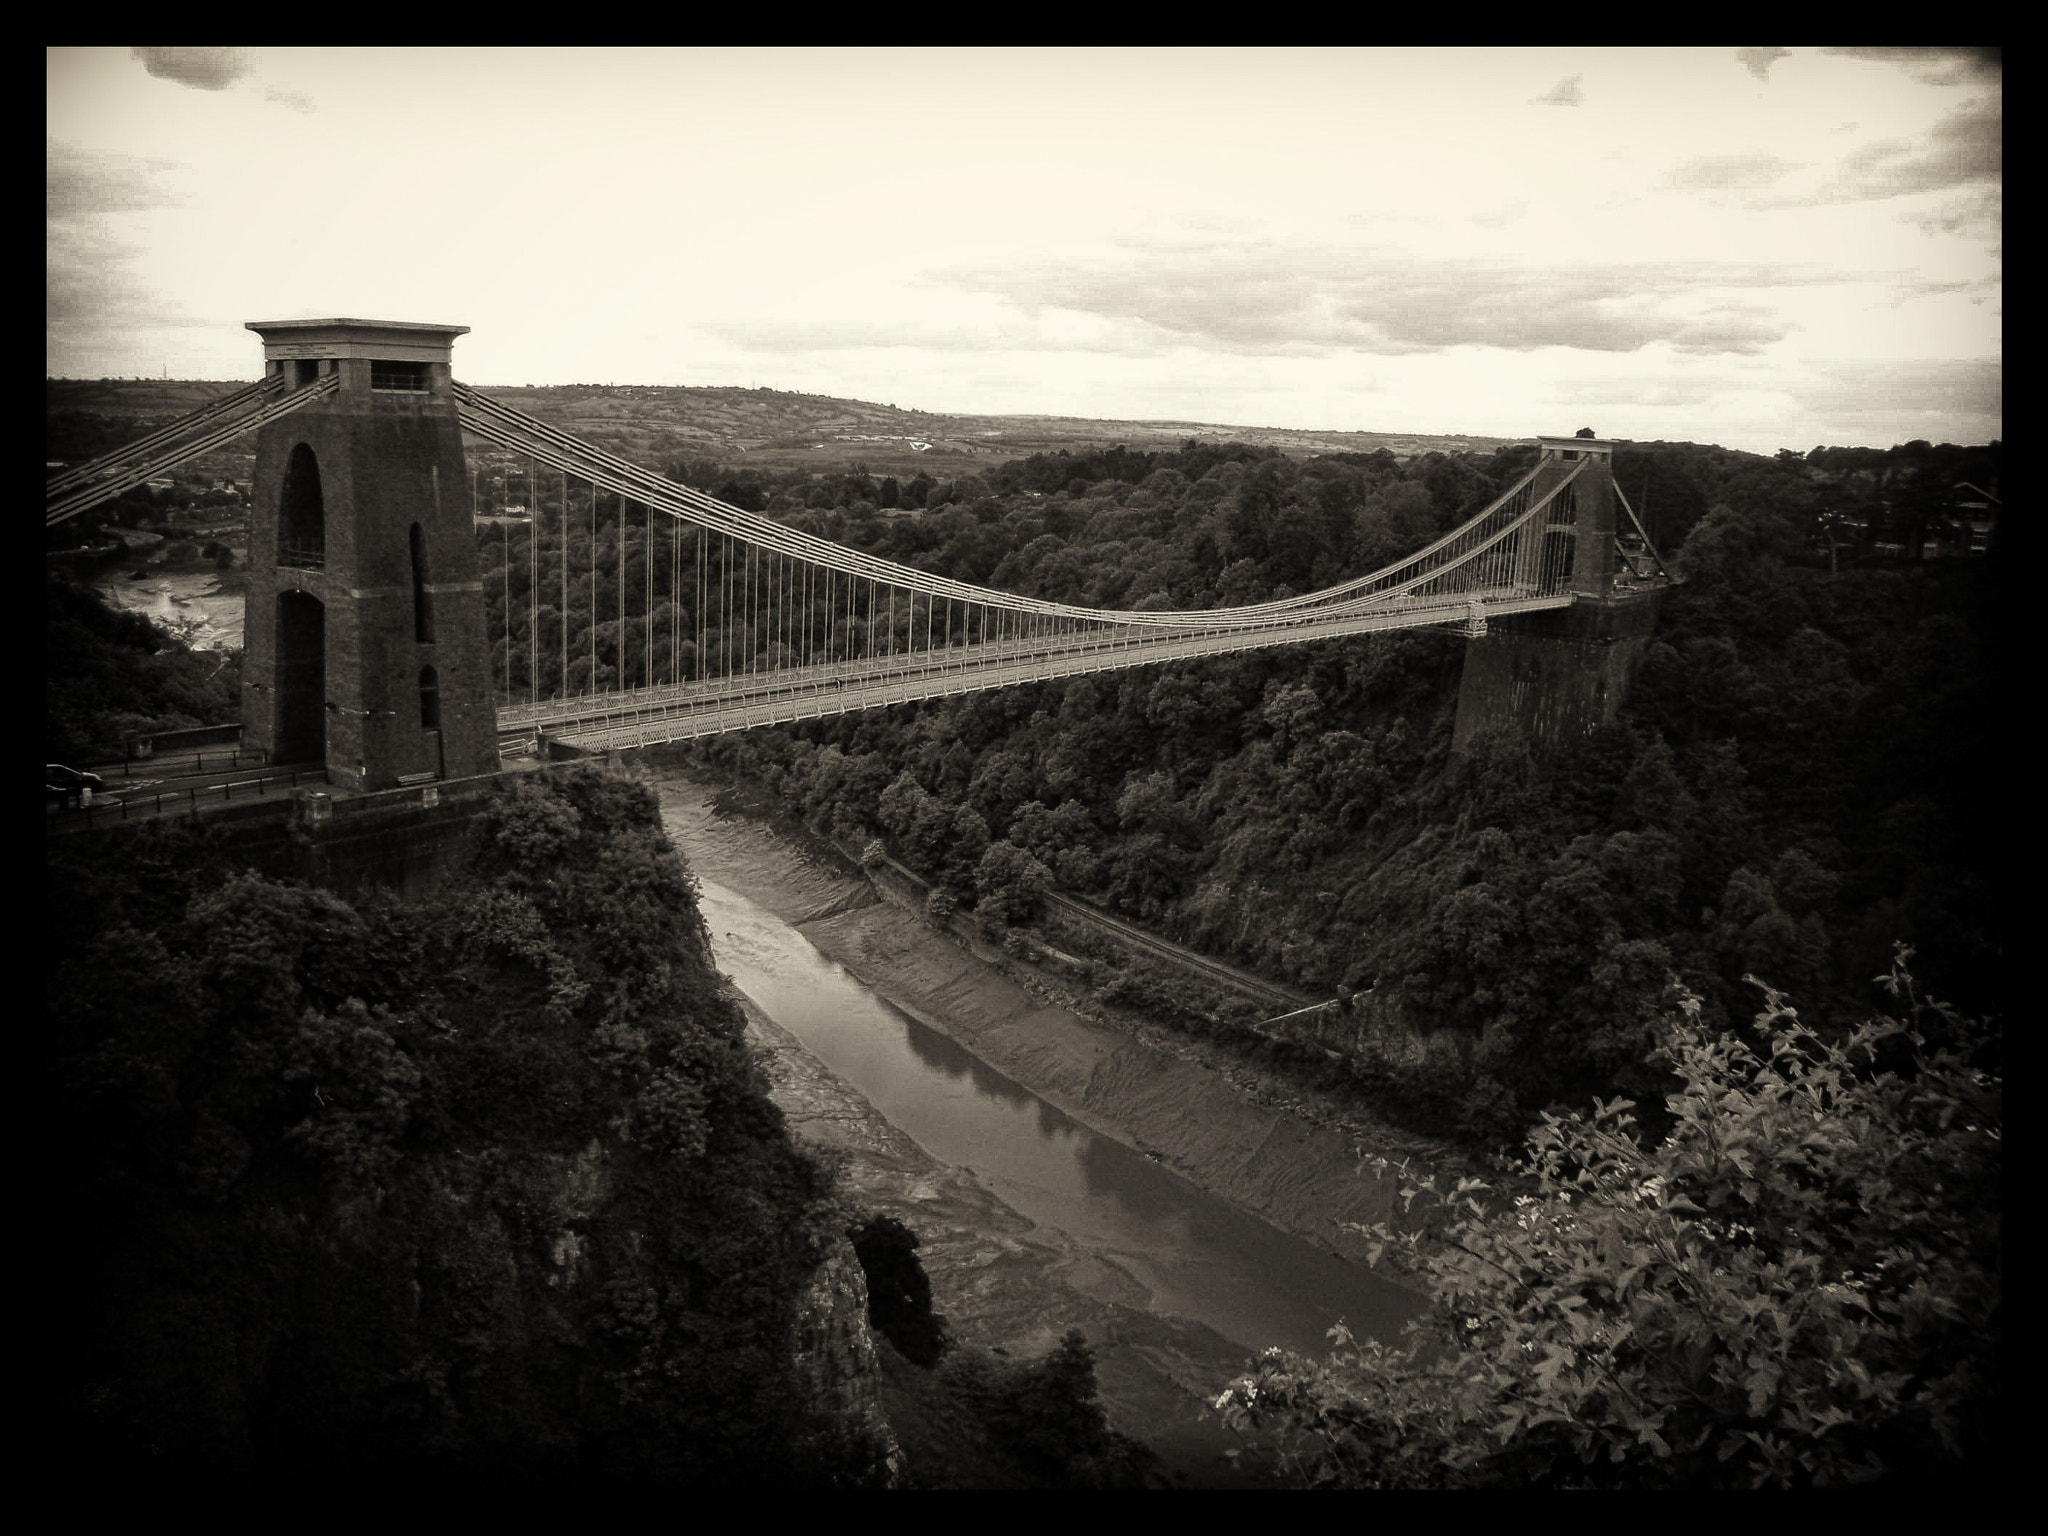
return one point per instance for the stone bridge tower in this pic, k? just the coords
(366, 646)
(1554, 676)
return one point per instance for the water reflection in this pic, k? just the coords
(1200, 1257)
(942, 1054)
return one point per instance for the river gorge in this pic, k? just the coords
(1059, 1173)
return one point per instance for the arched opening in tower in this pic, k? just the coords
(301, 697)
(422, 599)
(430, 721)
(302, 515)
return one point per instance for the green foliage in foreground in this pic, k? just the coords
(1797, 1287)
(978, 1420)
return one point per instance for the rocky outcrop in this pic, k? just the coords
(836, 1362)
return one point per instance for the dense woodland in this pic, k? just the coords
(1754, 1236)
(483, 1192)
(1794, 785)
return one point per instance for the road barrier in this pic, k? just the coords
(191, 802)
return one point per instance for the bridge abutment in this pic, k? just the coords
(1552, 677)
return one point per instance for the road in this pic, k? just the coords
(182, 784)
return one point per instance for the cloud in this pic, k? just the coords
(80, 184)
(1858, 394)
(1262, 299)
(1964, 146)
(1758, 61)
(1973, 214)
(87, 281)
(1962, 149)
(1731, 173)
(1977, 288)
(1692, 389)
(1934, 66)
(204, 69)
(1826, 399)
(215, 69)
(1736, 328)
(1510, 212)
(1002, 328)
(1565, 93)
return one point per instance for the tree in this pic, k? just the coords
(316, 1154)
(1290, 709)
(1010, 883)
(1798, 1287)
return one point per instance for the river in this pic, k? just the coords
(1032, 1220)
(187, 601)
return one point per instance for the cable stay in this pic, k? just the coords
(135, 474)
(82, 474)
(1417, 575)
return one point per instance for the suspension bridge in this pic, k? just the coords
(625, 610)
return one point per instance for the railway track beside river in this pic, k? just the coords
(1218, 971)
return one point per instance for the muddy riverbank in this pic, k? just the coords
(198, 602)
(1007, 1283)
(1260, 1144)
(1174, 1286)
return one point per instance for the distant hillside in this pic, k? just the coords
(771, 428)
(85, 418)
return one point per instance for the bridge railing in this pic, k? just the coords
(231, 798)
(623, 723)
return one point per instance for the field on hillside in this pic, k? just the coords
(763, 428)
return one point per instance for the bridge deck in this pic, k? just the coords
(646, 717)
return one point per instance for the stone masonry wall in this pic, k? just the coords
(1556, 676)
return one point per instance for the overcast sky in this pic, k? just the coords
(1760, 247)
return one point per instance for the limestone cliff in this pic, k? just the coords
(836, 1361)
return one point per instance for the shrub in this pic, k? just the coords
(1049, 1417)
(1797, 1287)
(1010, 883)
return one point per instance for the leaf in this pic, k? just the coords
(1763, 1385)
